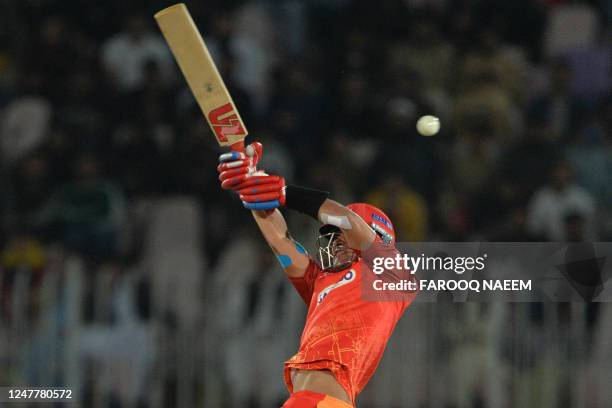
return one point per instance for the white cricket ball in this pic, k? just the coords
(428, 125)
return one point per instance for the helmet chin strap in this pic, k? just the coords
(338, 268)
(346, 264)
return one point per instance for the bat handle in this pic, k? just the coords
(238, 146)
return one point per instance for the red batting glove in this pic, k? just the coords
(262, 192)
(236, 167)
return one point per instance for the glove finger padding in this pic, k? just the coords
(261, 197)
(231, 178)
(253, 154)
(231, 182)
(258, 189)
(238, 164)
(242, 181)
(257, 180)
(235, 167)
(224, 175)
(262, 192)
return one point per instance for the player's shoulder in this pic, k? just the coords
(313, 270)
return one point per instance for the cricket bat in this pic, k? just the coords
(202, 75)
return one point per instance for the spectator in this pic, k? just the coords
(591, 158)
(124, 55)
(514, 229)
(23, 251)
(354, 103)
(403, 205)
(558, 108)
(333, 91)
(297, 111)
(32, 184)
(474, 157)
(80, 108)
(245, 36)
(88, 212)
(553, 202)
(504, 63)
(427, 54)
(138, 161)
(396, 114)
(591, 67)
(25, 121)
(536, 152)
(22, 254)
(482, 102)
(574, 227)
(570, 26)
(57, 52)
(7, 75)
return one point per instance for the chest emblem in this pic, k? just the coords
(348, 277)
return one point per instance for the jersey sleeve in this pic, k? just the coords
(305, 284)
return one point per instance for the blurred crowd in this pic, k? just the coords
(96, 124)
(96, 116)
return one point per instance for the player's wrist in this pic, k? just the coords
(262, 192)
(268, 192)
(305, 200)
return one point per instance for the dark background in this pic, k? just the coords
(128, 274)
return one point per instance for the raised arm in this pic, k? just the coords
(359, 235)
(238, 172)
(264, 194)
(291, 255)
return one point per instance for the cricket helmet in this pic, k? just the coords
(374, 217)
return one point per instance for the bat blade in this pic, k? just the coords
(202, 75)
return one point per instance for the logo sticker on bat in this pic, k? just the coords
(225, 122)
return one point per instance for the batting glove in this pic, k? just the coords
(262, 192)
(257, 190)
(235, 167)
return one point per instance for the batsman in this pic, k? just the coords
(345, 334)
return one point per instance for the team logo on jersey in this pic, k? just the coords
(224, 121)
(347, 278)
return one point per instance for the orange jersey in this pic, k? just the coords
(343, 332)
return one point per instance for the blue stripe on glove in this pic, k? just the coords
(265, 205)
(231, 156)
